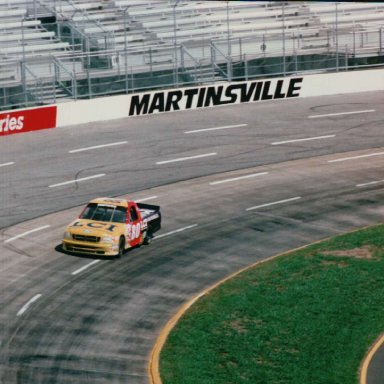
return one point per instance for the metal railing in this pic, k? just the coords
(69, 86)
(217, 56)
(33, 87)
(91, 69)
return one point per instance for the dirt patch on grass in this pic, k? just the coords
(364, 252)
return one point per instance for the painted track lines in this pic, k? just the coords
(273, 203)
(83, 268)
(238, 178)
(216, 128)
(186, 158)
(26, 233)
(370, 183)
(175, 231)
(304, 139)
(146, 199)
(25, 307)
(6, 164)
(97, 147)
(341, 114)
(356, 157)
(76, 180)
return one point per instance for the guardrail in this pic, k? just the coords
(131, 68)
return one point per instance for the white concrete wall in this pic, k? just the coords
(114, 107)
(343, 82)
(86, 111)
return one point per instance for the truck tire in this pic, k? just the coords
(147, 238)
(121, 247)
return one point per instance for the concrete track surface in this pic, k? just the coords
(236, 184)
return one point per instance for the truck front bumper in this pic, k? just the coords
(99, 249)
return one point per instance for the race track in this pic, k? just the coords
(236, 184)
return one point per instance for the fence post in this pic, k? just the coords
(346, 57)
(74, 85)
(229, 50)
(150, 61)
(175, 69)
(54, 90)
(182, 56)
(125, 49)
(283, 6)
(245, 67)
(132, 80)
(337, 39)
(89, 85)
(24, 82)
(229, 68)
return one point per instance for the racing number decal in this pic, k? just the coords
(133, 231)
(134, 228)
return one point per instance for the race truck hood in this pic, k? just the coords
(95, 228)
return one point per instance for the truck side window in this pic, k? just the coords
(133, 214)
(119, 215)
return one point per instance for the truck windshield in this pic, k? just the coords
(107, 213)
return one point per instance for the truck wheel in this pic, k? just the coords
(121, 247)
(147, 238)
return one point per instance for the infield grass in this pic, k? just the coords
(307, 317)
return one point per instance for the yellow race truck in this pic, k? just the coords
(110, 226)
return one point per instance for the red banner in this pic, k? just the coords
(27, 120)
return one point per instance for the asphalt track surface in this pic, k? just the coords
(236, 184)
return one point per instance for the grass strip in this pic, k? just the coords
(306, 317)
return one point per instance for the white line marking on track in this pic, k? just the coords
(175, 231)
(85, 267)
(26, 233)
(186, 158)
(356, 157)
(370, 183)
(77, 180)
(305, 139)
(146, 199)
(97, 147)
(274, 203)
(238, 178)
(27, 305)
(341, 113)
(5, 164)
(216, 128)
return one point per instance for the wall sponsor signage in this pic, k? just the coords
(27, 120)
(200, 97)
(274, 89)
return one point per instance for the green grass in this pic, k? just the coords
(307, 317)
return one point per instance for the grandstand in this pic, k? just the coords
(57, 50)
